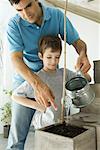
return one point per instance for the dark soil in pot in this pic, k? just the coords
(66, 130)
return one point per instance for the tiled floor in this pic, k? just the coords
(28, 146)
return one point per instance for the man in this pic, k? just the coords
(24, 31)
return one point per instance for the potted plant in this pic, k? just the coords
(6, 113)
(6, 118)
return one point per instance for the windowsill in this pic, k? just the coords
(90, 10)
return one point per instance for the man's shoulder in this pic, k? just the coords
(14, 20)
(52, 10)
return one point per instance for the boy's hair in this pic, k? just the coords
(14, 1)
(49, 41)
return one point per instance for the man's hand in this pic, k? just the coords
(83, 64)
(44, 95)
(82, 61)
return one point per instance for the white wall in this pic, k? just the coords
(6, 11)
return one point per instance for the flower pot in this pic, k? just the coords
(6, 129)
(65, 137)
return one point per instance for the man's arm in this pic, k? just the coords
(42, 92)
(82, 61)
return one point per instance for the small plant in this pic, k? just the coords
(6, 114)
(6, 118)
(7, 92)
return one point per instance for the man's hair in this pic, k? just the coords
(14, 1)
(49, 41)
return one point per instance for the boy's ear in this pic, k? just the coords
(40, 56)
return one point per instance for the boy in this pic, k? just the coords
(50, 51)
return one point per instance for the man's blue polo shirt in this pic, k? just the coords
(24, 36)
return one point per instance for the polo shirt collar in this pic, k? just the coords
(46, 13)
(46, 16)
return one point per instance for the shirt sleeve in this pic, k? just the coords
(71, 33)
(24, 90)
(14, 39)
(69, 74)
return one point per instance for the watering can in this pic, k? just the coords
(79, 90)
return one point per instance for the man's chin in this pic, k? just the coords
(29, 20)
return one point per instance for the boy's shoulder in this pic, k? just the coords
(68, 70)
(69, 73)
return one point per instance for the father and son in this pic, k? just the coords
(34, 38)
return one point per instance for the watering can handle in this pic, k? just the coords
(79, 73)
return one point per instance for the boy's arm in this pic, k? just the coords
(71, 74)
(28, 103)
(24, 95)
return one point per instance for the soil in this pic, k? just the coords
(65, 130)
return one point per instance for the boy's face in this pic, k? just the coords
(29, 10)
(50, 59)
